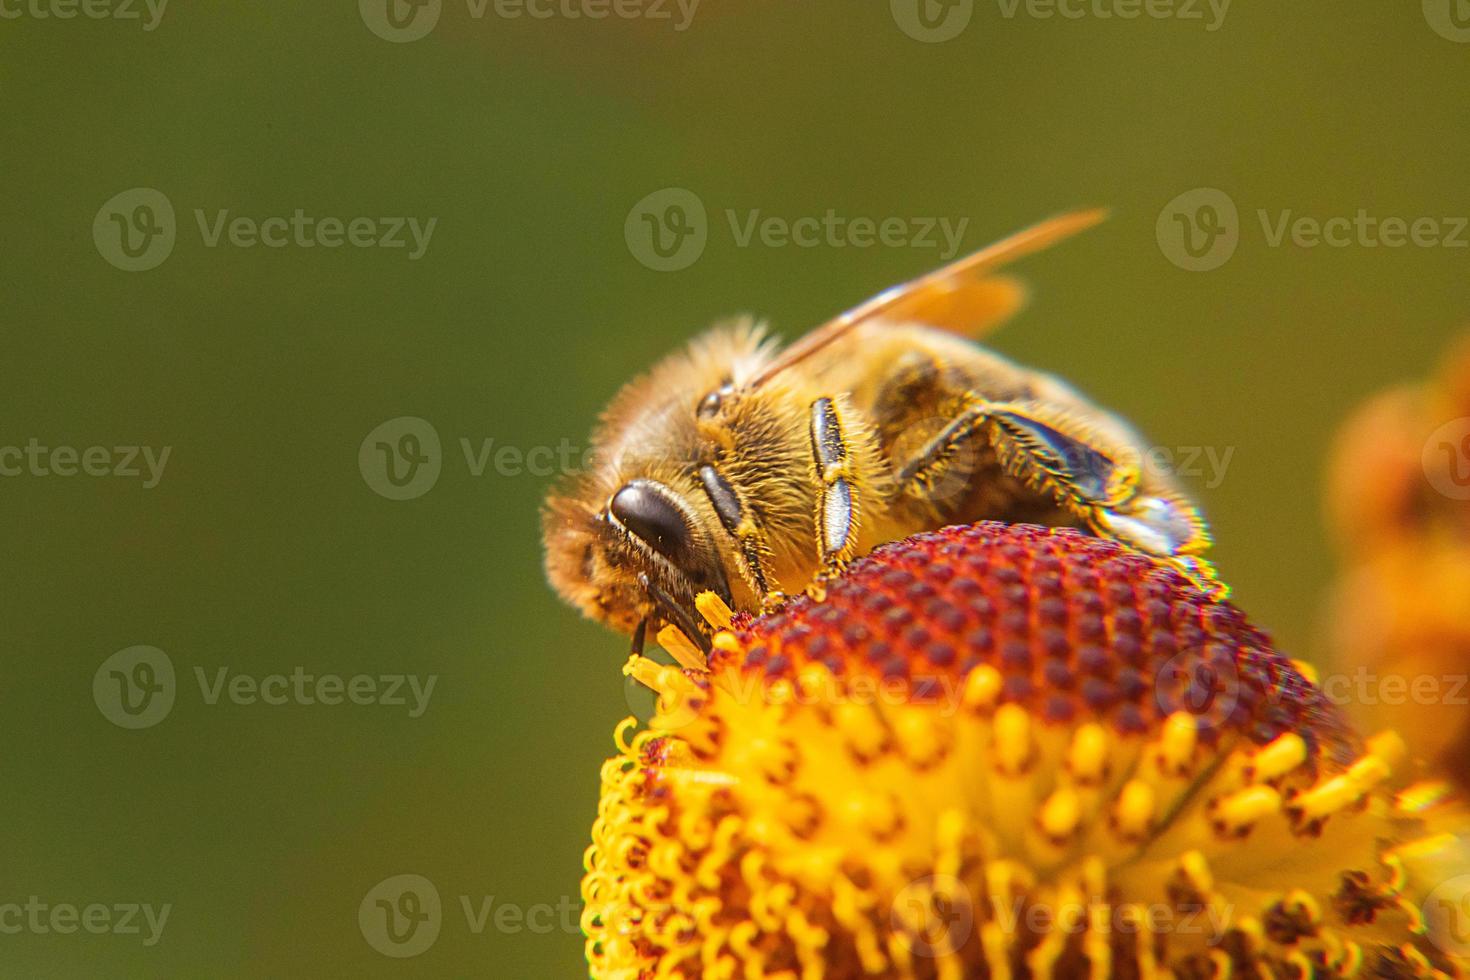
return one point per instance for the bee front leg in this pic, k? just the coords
(838, 499)
(750, 542)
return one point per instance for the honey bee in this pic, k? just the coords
(737, 468)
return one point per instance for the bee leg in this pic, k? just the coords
(640, 636)
(1059, 457)
(837, 499)
(741, 526)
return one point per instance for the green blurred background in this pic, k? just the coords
(263, 548)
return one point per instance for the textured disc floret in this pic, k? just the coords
(998, 751)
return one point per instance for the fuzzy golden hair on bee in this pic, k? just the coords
(738, 467)
(651, 432)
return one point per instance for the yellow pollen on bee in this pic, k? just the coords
(713, 609)
(1279, 757)
(682, 649)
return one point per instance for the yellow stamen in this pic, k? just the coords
(1279, 758)
(1012, 739)
(1135, 809)
(682, 649)
(713, 609)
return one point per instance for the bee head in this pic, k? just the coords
(639, 531)
(645, 538)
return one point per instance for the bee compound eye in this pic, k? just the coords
(645, 509)
(710, 405)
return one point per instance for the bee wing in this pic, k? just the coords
(969, 307)
(962, 297)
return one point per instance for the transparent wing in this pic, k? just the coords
(963, 297)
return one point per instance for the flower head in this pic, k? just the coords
(1008, 751)
(1400, 622)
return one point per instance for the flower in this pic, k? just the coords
(1008, 751)
(1399, 628)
